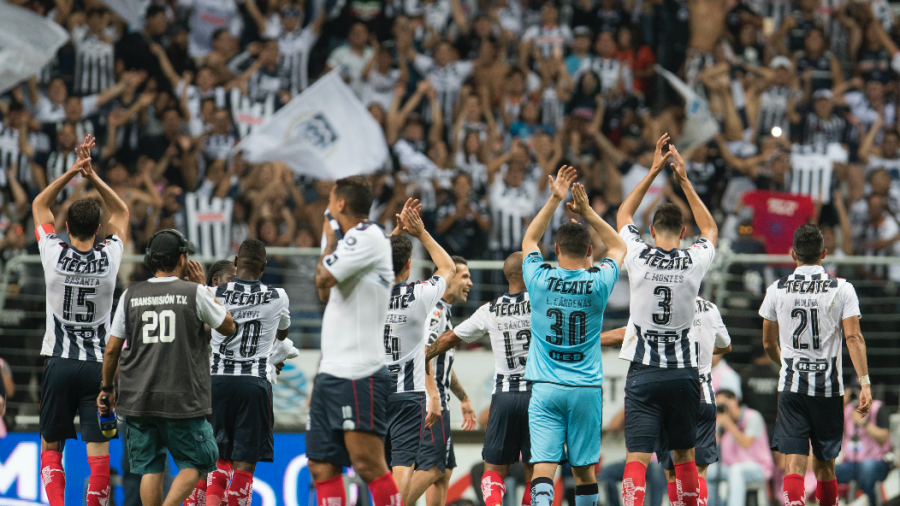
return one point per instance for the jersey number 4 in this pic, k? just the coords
(811, 320)
(576, 330)
(391, 343)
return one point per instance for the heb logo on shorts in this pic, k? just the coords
(347, 413)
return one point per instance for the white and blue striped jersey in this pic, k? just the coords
(664, 285)
(810, 306)
(80, 286)
(708, 332)
(259, 312)
(410, 307)
(507, 320)
(442, 364)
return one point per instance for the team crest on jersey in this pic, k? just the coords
(315, 130)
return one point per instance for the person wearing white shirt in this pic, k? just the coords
(352, 58)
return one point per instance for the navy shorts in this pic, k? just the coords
(803, 419)
(339, 405)
(405, 429)
(242, 418)
(436, 448)
(707, 452)
(70, 387)
(661, 402)
(507, 436)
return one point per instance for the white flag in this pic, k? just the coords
(324, 132)
(131, 11)
(27, 43)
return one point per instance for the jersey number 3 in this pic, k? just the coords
(666, 304)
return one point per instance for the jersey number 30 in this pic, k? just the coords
(576, 330)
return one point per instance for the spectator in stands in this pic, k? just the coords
(866, 443)
(745, 455)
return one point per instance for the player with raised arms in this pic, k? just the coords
(507, 321)
(347, 415)
(805, 316)
(80, 278)
(564, 362)
(662, 389)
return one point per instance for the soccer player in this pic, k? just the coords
(241, 392)
(507, 320)
(662, 390)
(404, 346)
(347, 416)
(805, 315)
(711, 337)
(438, 438)
(564, 363)
(163, 375)
(80, 278)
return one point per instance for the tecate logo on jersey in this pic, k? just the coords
(78, 266)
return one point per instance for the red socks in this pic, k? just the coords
(198, 496)
(827, 493)
(673, 493)
(331, 492)
(54, 477)
(384, 491)
(493, 487)
(687, 483)
(240, 489)
(526, 499)
(795, 492)
(704, 493)
(634, 484)
(217, 482)
(98, 484)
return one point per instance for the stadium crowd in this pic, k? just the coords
(479, 101)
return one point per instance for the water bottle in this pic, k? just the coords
(107, 422)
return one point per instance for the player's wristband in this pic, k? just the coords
(864, 380)
(106, 389)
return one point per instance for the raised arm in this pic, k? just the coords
(118, 211)
(614, 243)
(412, 223)
(844, 220)
(702, 217)
(40, 208)
(558, 190)
(633, 200)
(324, 278)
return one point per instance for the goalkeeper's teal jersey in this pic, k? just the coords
(566, 318)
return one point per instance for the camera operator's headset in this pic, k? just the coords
(184, 246)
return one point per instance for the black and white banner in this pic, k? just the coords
(209, 224)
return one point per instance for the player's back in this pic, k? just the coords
(259, 311)
(80, 287)
(664, 285)
(509, 327)
(567, 316)
(810, 306)
(353, 322)
(707, 332)
(405, 331)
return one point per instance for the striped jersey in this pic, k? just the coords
(410, 306)
(438, 323)
(56, 164)
(259, 311)
(80, 286)
(664, 285)
(809, 307)
(507, 320)
(708, 332)
(94, 63)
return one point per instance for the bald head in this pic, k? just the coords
(512, 267)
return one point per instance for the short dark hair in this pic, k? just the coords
(401, 251)
(252, 253)
(573, 240)
(357, 192)
(808, 244)
(163, 262)
(83, 219)
(668, 218)
(457, 260)
(154, 10)
(217, 270)
(728, 394)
